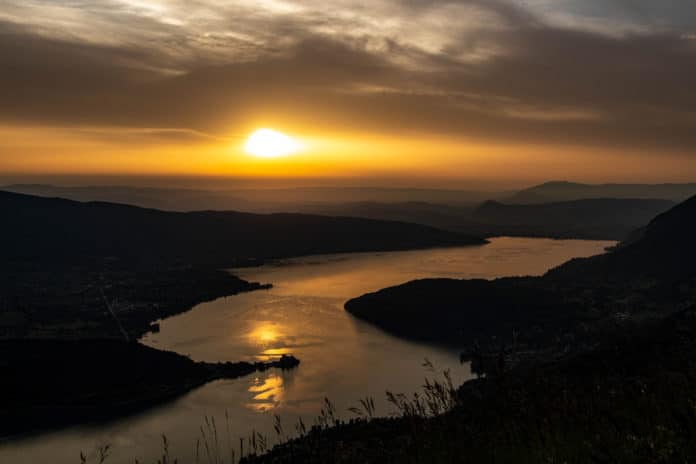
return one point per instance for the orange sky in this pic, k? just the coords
(434, 92)
(425, 159)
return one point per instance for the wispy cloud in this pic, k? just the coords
(590, 71)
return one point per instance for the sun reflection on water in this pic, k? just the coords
(270, 338)
(268, 393)
(275, 352)
(264, 334)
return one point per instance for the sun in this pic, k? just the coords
(267, 143)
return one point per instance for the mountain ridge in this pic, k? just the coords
(46, 228)
(555, 191)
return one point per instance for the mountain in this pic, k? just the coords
(648, 278)
(453, 217)
(51, 229)
(603, 218)
(42, 375)
(606, 219)
(299, 199)
(664, 249)
(168, 199)
(466, 212)
(567, 191)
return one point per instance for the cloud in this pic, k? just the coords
(482, 69)
(620, 15)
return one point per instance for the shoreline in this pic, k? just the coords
(89, 302)
(136, 378)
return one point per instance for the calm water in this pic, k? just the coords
(342, 358)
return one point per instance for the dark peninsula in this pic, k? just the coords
(52, 383)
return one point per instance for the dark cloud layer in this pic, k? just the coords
(519, 78)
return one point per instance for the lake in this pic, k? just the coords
(343, 359)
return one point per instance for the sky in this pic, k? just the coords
(429, 92)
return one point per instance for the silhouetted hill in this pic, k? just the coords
(606, 219)
(664, 249)
(298, 199)
(49, 383)
(451, 311)
(567, 191)
(49, 229)
(453, 210)
(645, 279)
(596, 218)
(168, 199)
(456, 218)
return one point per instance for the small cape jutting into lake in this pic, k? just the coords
(53, 383)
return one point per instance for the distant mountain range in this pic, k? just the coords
(554, 209)
(594, 218)
(606, 218)
(567, 191)
(51, 229)
(304, 199)
(252, 200)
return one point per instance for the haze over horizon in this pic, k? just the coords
(500, 94)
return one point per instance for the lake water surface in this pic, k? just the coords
(342, 358)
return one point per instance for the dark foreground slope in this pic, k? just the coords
(49, 383)
(51, 230)
(631, 399)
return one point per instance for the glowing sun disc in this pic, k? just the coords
(267, 143)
